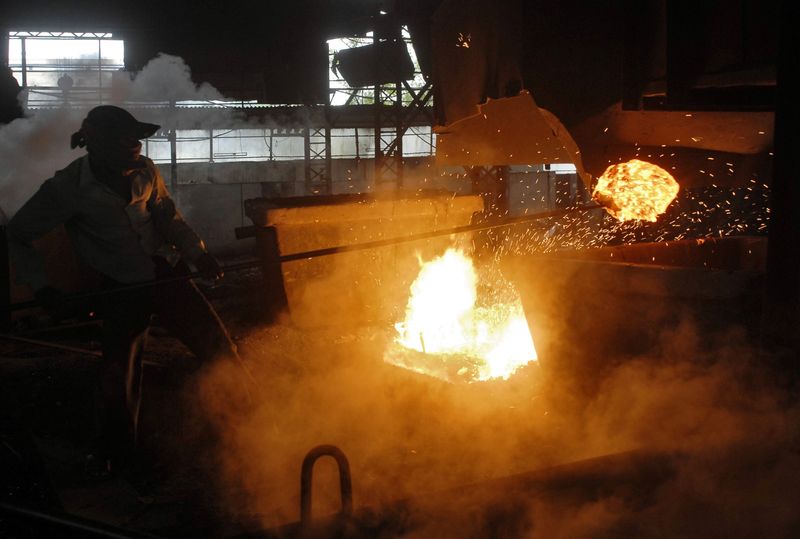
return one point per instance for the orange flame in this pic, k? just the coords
(446, 334)
(636, 190)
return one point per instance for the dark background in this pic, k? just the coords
(577, 58)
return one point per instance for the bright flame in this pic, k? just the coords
(636, 190)
(446, 334)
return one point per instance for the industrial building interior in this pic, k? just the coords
(510, 269)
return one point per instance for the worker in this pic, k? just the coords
(125, 229)
(10, 107)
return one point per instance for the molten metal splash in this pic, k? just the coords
(636, 190)
(447, 335)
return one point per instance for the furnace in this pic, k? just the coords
(493, 269)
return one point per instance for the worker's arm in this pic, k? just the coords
(170, 224)
(53, 203)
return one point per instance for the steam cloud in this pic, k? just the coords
(33, 148)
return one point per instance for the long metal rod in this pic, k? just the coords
(48, 344)
(329, 251)
(67, 524)
(432, 234)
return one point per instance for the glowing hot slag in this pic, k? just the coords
(442, 317)
(636, 190)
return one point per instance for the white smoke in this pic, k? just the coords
(32, 149)
(168, 78)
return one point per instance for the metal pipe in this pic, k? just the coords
(510, 221)
(306, 480)
(24, 62)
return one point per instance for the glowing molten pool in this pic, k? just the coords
(447, 333)
(636, 190)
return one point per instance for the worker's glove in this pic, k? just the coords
(50, 298)
(208, 267)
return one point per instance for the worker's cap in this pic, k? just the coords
(117, 121)
(110, 121)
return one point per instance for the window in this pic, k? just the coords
(352, 143)
(419, 141)
(57, 67)
(192, 146)
(227, 145)
(342, 94)
(157, 148)
(242, 145)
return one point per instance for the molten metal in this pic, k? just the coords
(447, 334)
(636, 190)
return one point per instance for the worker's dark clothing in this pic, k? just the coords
(113, 234)
(123, 227)
(183, 311)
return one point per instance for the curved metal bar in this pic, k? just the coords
(306, 477)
